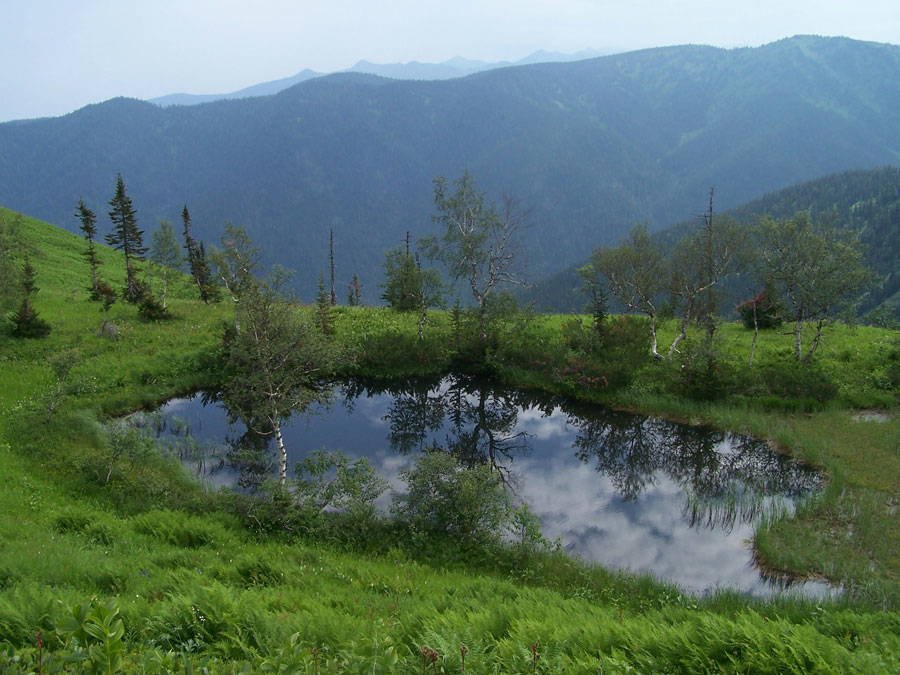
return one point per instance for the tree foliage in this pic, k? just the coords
(276, 365)
(478, 243)
(89, 227)
(236, 263)
(637, 274)
(197, 263)
(700, 263)
(401, 280)
(166, 253)
(25, 321)
(819, 272)
(445, 497)
(126, 237)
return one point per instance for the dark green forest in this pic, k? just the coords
(866, 203)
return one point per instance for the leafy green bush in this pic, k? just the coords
(325, 481)
(704, 372)
(444, 497)
(798, 380)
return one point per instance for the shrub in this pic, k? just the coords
(705, 374)
(330, 480)
(768, 309)
(150, 309)
(798, 380)
(325, 481)
(444, 497)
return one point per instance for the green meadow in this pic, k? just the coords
(117, 560)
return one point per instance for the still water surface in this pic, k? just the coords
(627, 491)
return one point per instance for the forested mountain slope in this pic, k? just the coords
(590, 147)
(866, 202)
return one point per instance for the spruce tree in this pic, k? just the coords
(196, 258)
(354, 292)
(89, 227)
(127, 238)
(323, 307)
(26, 322)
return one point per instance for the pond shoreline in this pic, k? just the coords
(565, 406)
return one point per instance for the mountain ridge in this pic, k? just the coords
(591, 147)
(456, 66)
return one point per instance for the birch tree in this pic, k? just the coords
(818, 270)
(277, 365)
(479, 242)
(637, 274)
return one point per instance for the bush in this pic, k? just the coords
(798, 381)
(325, 481)
(444, 497)
(769, 311)
(150, 309)
(705, 374)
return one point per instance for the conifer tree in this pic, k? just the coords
(354, 292)
(126, 237)
(196, 258)
(89, 227)
(26, 322)
(323, 307)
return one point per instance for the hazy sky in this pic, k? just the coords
(59, 55)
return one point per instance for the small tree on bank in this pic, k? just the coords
(401, 286)
(701, 262)
(166, 253)
(236, 263)
(637, 275)
(818, 271)
(196, 259)
(478, 242)
(277, 365)
(25, 322)
(354, 292)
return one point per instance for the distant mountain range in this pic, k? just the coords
(589, 147)
(412, 70)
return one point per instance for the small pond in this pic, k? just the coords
(627, 491)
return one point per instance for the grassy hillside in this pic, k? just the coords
(89, 537)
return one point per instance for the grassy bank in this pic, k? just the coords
(192, 586)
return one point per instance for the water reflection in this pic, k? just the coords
(621, 489)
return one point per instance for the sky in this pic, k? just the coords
(59, 55)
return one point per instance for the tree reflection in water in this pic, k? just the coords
(622, 489)
(726, 477)
(478, 419)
